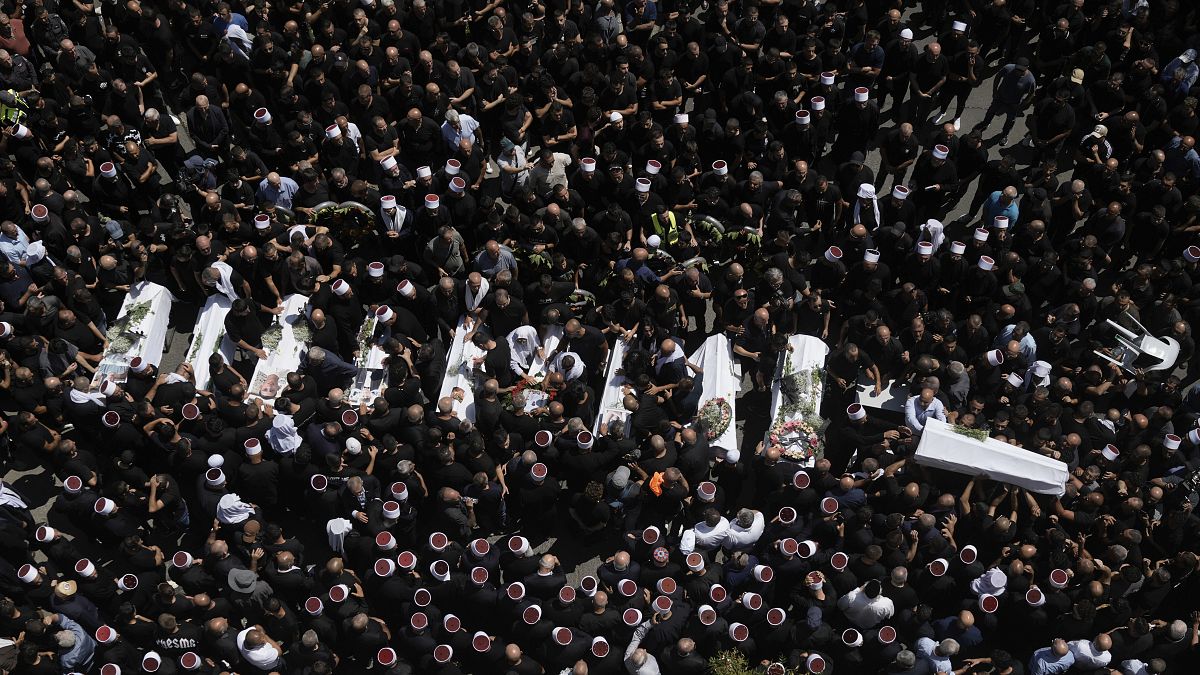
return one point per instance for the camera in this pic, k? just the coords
(1192, 482)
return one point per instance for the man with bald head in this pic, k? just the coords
(755, 339)
(646, 277)
(1057, 658)
(288, 580)
(259, 650)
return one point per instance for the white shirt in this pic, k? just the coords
(705, 538)
(263, 657)
(742, 537)
(546, 178)
(866, 612)
(1086, 655)
(556, 366)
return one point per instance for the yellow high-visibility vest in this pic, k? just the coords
(671, 233)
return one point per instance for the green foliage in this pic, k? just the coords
(976, 434)
(729, 662)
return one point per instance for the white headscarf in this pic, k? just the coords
(78, 396)
(336, 530)
(232, 510)
(984, 584)
(874, 205)
(473, 302)
(931, 231)
(241, 41)
(9, 497)
(282, 435)
(523, 354)
(225, 283)
(394, 222)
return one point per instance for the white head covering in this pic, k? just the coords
(991, 582)
(475, 299)
(232, 510)
(866, 191)
(523, 354)
(225, 283)
(282, 435)
(934, 230)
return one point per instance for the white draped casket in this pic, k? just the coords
(140, 330)
(371, 379)
(942, 447)
(208, 338)
(612, 410)
(719, 386)
(270, 374)
(460, 372)
(802, 369)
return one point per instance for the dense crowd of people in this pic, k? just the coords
(543, 180)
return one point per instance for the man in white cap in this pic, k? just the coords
(857, 124)
(900, 55)
(934, 179)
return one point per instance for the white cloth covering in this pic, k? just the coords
(225, 283)
(282, 435)
(475, 299)
(232, 510)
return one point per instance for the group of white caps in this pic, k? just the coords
(151, 661)
(926, 248)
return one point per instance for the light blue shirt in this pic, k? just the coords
(940, 664)
(15, 248)
(1044, 662)
(915, 414)
(1187, 165)
(281, 196)
(79, 658)
(467, 126)
(992, 208)
(1028, 345)
(485, 265)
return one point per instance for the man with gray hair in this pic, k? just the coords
(638, 661)
(459, 126)
(938, 654)
(745, 531)
(75, 646)
(327, 368)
